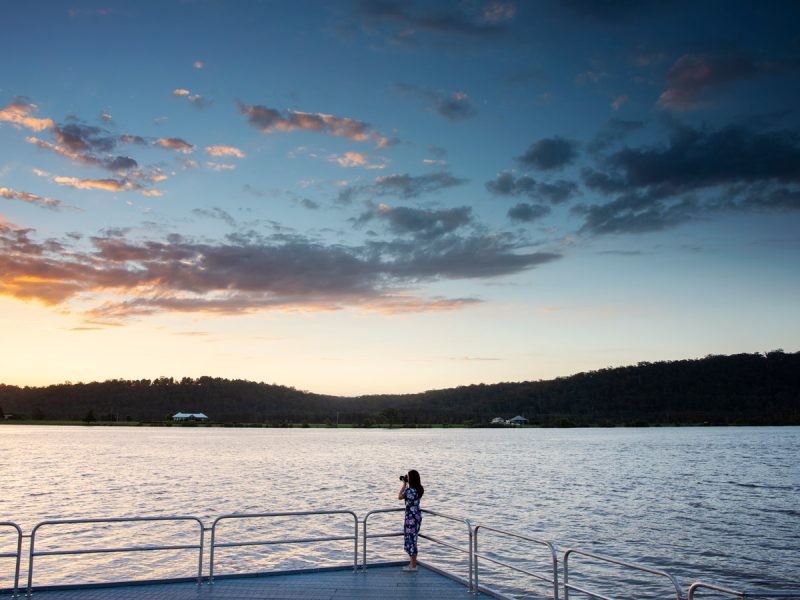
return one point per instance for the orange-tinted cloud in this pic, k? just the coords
(182, 275)
(269, 120)
(177, 144)
(50, 203)
(220, 151)
(19, 113)
(109, 185)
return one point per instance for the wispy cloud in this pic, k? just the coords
(453, 106)
(221, 151)
(403, 186)
(355, 159)
(249, 274)
(694, 77)
(195, 100)
(19, 112)
(40, 201)
(507, 184)
(421, 223)
(270, 120)
(177, 144)
(474, 20)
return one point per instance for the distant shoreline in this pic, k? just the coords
(380, 426)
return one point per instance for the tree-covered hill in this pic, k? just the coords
(738, 389)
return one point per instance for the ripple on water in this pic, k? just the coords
(716, 504)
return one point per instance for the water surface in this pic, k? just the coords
(717, 504)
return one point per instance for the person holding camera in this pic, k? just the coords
(411, 492)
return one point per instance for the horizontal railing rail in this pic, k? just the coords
(552, 580)
(34, 553)
(15, 555)
(428, 537)
(742, 595)
(679, 595)
(472, 551)
(215, 544)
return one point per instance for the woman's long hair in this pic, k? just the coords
(414, 482)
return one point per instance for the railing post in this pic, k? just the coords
(355, 546)
(555, 572)
(211, 554)
(200, 557)
(364, 553)
(566, 573)
(475, 556)
(30, 561)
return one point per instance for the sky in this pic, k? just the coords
(388, 196)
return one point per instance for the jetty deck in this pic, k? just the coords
(379, 582)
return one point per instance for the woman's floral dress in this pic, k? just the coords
(413, 520)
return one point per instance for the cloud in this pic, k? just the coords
(506, 184)
(355, 159)
(19, 111)
(219, 167)
(696, 158)
(619, 101)
(40, 201)
(120, 277)
(220, 151)
(694, 77)
(615, 130)
(527, 212)
(550, 154)
(194, 99)
(215, 213)
(110, 163)
(421, 223)
(401, 186)
(696, 173)
(484, 20)
(108, 185)
(352, 159)
(269, 120)
(455, 106)
(177, 144)
(611, 11)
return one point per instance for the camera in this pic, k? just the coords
(404, 478)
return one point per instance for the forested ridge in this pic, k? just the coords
(738, 389)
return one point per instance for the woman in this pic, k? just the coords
(411, 492)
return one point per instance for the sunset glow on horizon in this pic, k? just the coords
(385, 197)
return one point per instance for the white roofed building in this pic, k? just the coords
(181, 416)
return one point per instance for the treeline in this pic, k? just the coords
(739, 389)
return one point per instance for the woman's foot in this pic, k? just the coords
(409, 569)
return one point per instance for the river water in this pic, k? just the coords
(717, 504)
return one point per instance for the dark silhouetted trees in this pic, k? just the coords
(739, 389)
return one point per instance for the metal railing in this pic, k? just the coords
(33, 553)
(430, 538)
(16, 555)
(553, 580)
(605, 559)
(472, 552)
(214, 544)
(742, 595)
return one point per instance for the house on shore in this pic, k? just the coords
(498, 421)
(181, 416)
(518, 420)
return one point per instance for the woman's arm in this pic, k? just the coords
(401, 495)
